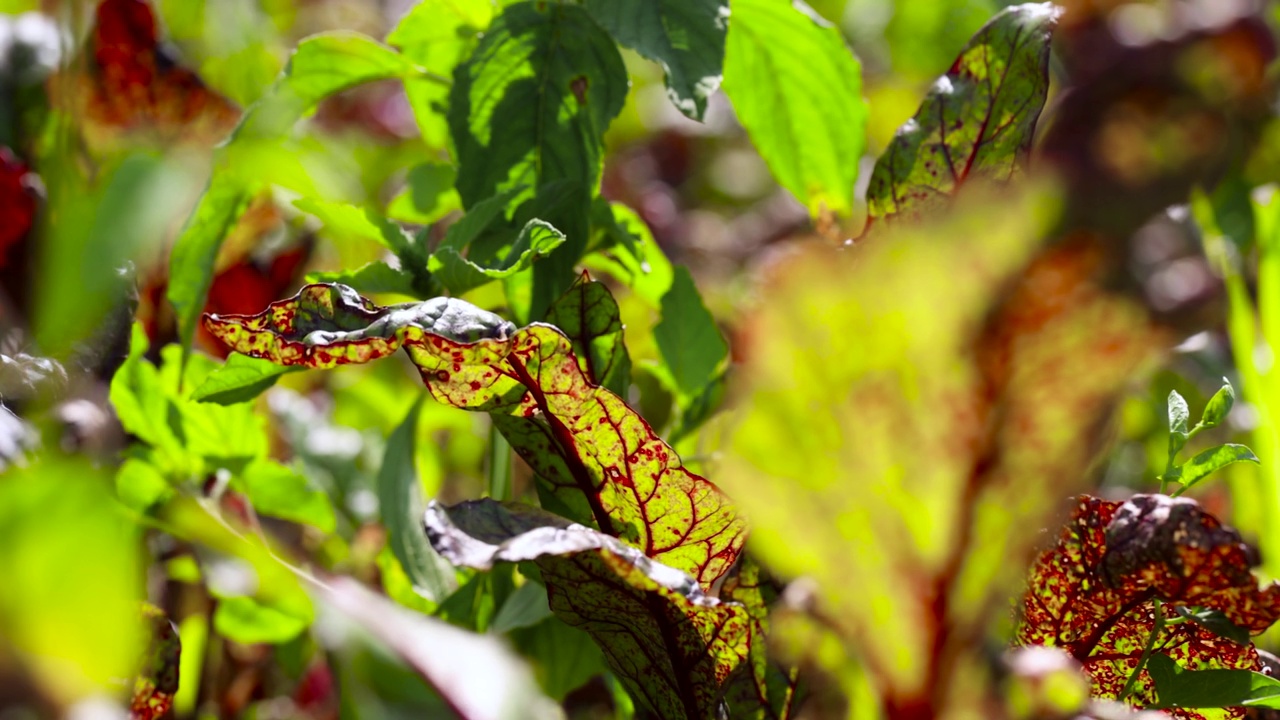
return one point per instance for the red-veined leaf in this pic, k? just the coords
(588, 315)
(597, 460)
(1092, 593)
(670, 643)
(155, 686)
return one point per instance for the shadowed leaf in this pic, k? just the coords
(155, 686)
(459, 274)
(978, 120)
(685, 37)
(1181, 688)
(595, 457)
(630, 604)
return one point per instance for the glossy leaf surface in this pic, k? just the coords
(595, 457)
(671, 644)
(978, 120)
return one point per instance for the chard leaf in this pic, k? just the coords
(797, 89)
(628, 603)
(594, 456)
(459, 274)
(1208, 462)
(157, 684)
(588, 315)
(685, 37)
(240, 379)
(977, 121)
(1092, 593)
(767, 690)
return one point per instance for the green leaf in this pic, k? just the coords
(525, 607)
(375, 277)
(401, 502)
(437, 35)
(247, 621)
(977, 121)
(1210, 461)
(593, 455)
(634, 257)
(768, 691)
(530, 107)
(428, 194)
(690, 341)
(1219, 406)
(797, 89)
(279, 491)
(685, 37)
(195, 251)
(351, 221)
(240, 379)
(628, 603)
(588, 315)
(1216, 622)
(480, 218)
(1180, 688)
(564, 657)
(157, 682)
(140, 485)
(459, 274)
(1179, 414)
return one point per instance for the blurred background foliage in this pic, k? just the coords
(272, 491)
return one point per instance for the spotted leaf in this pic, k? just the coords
(597, 461)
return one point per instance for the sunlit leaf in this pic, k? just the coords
(1219, 406)
(437, 35)
(429, 194)
(401, 503)
(245, 620)
(1179, 415)
(375, 277)
(595, 457)
(1091, 594)
(977, 121)
(195, 251)
(766, 690)
(633, 256)
(280, 491)
(686, 37)
(797, 89)
(1208, 462)
(140, 485)
(588, 315)
(537, 240)
(241, 379)
(627, 602)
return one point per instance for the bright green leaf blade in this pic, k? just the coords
(375, 277)
(248, 621)
(977, 121)
(1219, 406)
(140, 485)
(634, 257)
(588, 315)
(1178, 418)
(686, 37)
(348, 220)
(593, 455)
(797, 90)
(768, 691)
(458, 274)
(279, 491)
(402, 504)
(241, 379)
(627, 602)
(428, 194)
(1180, 688)
(73, 578)
(690, 341)
(437, 35)
(196, 250)
(1210, 461)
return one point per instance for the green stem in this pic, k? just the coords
(1156, 628)
(499, 466)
